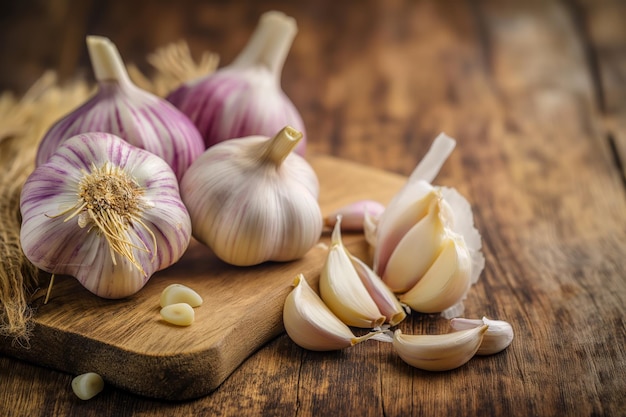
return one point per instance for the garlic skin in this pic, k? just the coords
(253, 200)
(410, 235)
(343, 291)
(442, 352)
(498, 337)
(245, 98)
(311, 324)
(123, 109)
(105, 212)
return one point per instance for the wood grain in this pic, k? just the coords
(534, 93)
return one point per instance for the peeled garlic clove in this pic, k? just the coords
(178, 293)
(180, 314)
(121, 108)
(445, 283)
(88, 385)
(353, 215)
(385, 299)
(245, 97)
(343, 291)
(105, 212)
(417, 250)
(498, 337)
(438, 352)
(311, 324)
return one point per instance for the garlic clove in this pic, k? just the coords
(417, 250)
(179, 314)
(178, 293)
(446, 282)
(87, 385)
(398, 219)
(311, 324)
(498, 337)
(354, 214)
(343, 291)
(385, 299)
(441, 352)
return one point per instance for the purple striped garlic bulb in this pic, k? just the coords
(245, 98)
(123, 109)
(105, 212)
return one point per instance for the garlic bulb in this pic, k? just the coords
(105, 212)
(123, 109)
(252, 200)
(311, 324)
(425, 244)
(245, 98)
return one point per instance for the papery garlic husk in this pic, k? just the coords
(353, 215)
(498, 337)
(105, 212)
(342, 289)
(245, 98)
(252, 200)
(441, 352)
(123, 109)
(311, 324)
(446, 282)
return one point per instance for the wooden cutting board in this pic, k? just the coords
(126, 342)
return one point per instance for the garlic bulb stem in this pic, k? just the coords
(269, 44)
(281, 145)
(106, 60)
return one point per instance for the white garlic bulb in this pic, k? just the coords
(253, 200)
(105, 212)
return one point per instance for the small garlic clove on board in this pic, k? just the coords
(180, 314)
(87, 385)
(311, 324)
(354, 215)
(445, 283)
(178, 293)
(441, 352)
(498, 337)
(343, 291)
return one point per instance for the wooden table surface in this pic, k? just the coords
(535, 94)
